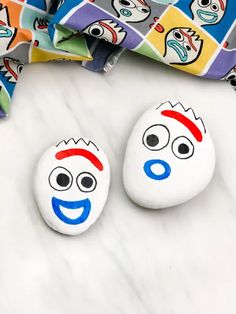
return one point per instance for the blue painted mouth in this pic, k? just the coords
(148, 169)
(179, 49)
(7, 32)
(85, 204)
(203, 15)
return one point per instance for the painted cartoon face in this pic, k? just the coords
(183, 46)
(208, 12)
(169, 158)
(132, 10)
(11, 69)
(71, 185)
(7, 33)
(107, 30)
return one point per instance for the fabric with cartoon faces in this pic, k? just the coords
(168, 149)
(71, 185)
(24, 39)
(196, 36)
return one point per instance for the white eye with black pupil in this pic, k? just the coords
(60, 179)
(178, 36)
(86, 182)
(127, 3)
(96, 30)
(182, 147)
(204, 3)
(156, 137)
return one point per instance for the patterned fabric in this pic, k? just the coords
(24, 39)
(196, 36)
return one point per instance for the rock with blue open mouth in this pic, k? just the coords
(170, 157)
(71, 185)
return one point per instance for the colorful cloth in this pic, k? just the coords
(24, 39)
(196, 36)
(105, 55)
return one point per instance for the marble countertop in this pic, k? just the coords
(174, 261)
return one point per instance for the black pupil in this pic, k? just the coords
(63, 180)
(177, 35)
(145, 10)
(124, 2)
(152, 140)
(214, 7)
(96, 32)
(233, 82)
(205, 2)
(183, 149)
(87, 182)
(188, 48)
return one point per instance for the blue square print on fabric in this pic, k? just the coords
(215, 16)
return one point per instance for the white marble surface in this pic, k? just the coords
(174, 261)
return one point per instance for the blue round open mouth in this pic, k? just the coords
(149, 172)
(179, 49)
(206, 16)
(57, 204)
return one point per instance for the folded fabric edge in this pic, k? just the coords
(70, 41)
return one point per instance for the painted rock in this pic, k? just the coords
(71, 185)
(170, 157)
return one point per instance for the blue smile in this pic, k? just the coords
(206, 16)
(57, 204)
(179, 49)
(148, 169)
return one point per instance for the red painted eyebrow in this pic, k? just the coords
(185, 121)
(222, 5)
(113, 32)
(80, 152)
(189, 39)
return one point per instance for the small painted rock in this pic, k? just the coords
(170, 157)
(71, 185)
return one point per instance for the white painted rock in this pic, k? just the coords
(170, 157)
(71, 185)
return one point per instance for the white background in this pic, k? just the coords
(132, 261)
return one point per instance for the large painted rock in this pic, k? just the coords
(170, 157)
(71, 185)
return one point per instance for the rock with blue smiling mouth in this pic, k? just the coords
(71, 185)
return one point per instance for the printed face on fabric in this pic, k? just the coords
(24, 38)
(183, 46)
(107, 30)
(208, 12)
(131, 10)
(71, 185)
(170, 157)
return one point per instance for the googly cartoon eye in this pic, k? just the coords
(96, 30)
(143, 9)
(86, 182)
(127, 3)
(60, 179)
(182, 147)
(178, 36)
(215, 7)
(156, 137)
(204, 3)
(186, 46)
